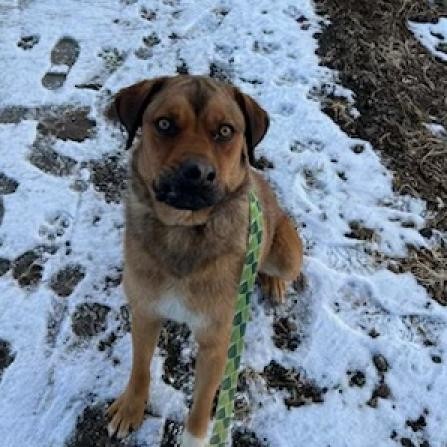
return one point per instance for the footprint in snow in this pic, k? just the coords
(63, 56)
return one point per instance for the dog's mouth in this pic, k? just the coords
(183, 195)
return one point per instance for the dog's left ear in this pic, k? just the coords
(131, 102)
(256, 122)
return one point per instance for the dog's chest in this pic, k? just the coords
(173, 307)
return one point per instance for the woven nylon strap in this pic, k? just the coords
(225, 403)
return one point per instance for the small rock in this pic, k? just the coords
(436, 359)
(380, 362)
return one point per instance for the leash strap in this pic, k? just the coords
(225, 403)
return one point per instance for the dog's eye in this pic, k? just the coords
(225, 132)
(165, 126)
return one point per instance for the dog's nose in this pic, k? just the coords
(197, 172)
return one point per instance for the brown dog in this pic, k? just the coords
(186, 229)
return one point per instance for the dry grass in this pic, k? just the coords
(399, 88)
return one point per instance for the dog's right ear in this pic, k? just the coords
(131, 102)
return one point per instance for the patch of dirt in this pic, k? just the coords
(382, 391)
(177, 370)
(5, 265)
(109, 176)
(6, 356)
(72, 124)
(357, 378)
(45, 158)
(171, 434)
(301, 391)
(285, 334)
(399, 87)
(417, 424)
(113, 279)
(89, 319)
(358, 231)
(65, 280)
(380, 363)
(7, 184)
(91, 430)
(242, 437)
(27, 269)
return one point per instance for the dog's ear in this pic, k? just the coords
(131, 102)
(256, 122)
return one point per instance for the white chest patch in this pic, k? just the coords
(173, 308)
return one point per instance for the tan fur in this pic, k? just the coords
(195, 255)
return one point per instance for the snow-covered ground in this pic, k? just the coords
(335, 187)
(432, 35)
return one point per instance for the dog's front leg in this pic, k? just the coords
(210, 365)
(127, 411)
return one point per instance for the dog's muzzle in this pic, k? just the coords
(192, 186)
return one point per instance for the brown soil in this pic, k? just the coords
(65, 280)
(301, 391)
(399, 87)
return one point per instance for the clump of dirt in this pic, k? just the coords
(109, 176)
(72, 124)
(171, 434)
(5, 265)
(177, 371)
(262, 163)
(301, 391)
(357, 378)
(65, 280)
(7, 184)
(91, 430)
(89, 319)
(113, 279)
(28, 42)
(27, 269)
(6, 356)
(241, 437)
(358, 231)
(381, 391)
(380, 363)
(417, 424)
(285, 334)
(45, 158)
(399, 87)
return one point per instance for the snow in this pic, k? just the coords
(432, 36)
(321, 181)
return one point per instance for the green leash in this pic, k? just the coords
(225, 403)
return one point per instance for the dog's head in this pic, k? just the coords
(198, 137)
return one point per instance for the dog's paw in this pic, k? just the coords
(188, 440)
(273, 288)
(127, 414)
